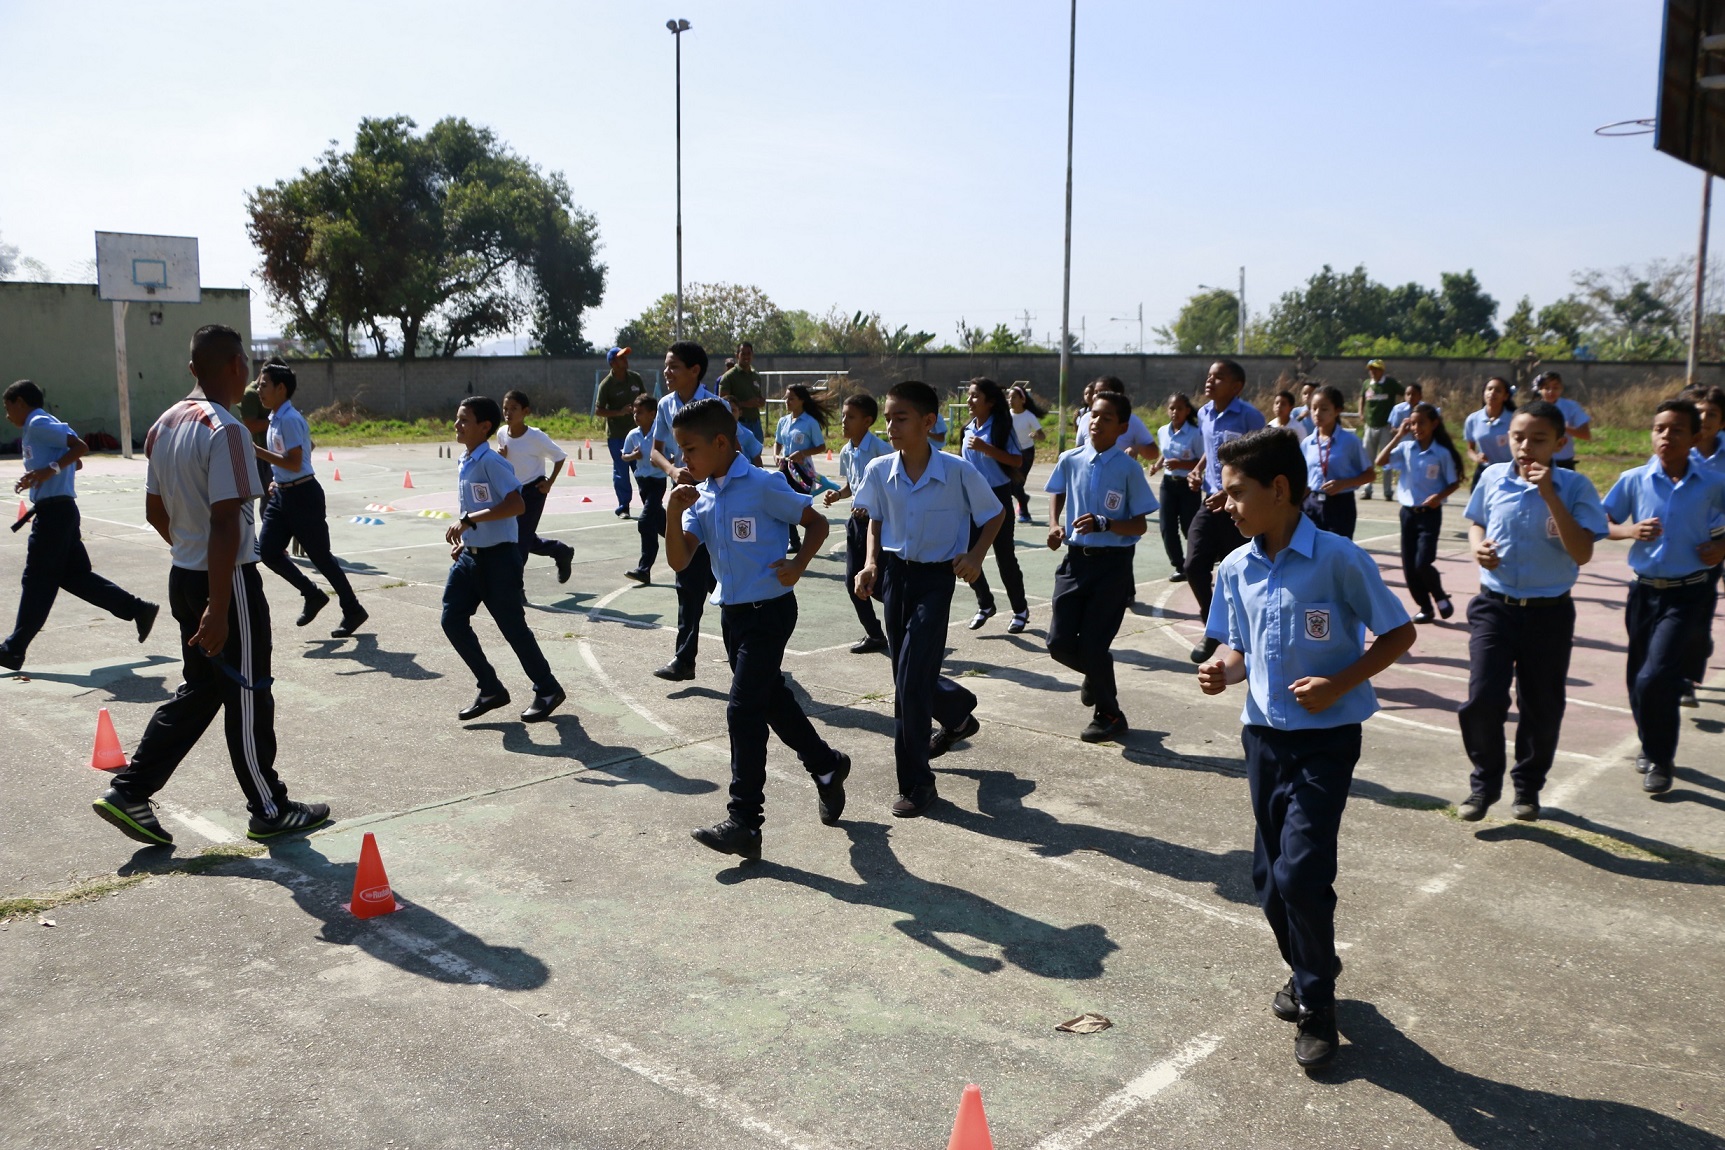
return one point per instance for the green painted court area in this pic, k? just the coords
(569, 969)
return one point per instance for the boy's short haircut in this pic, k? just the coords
(1550, 412)
(282, 374)
(707, 418)
(520, 397)
(1546, 377)
(916, 393)
(1265, 454)
(865, 403)
(213, 345)
(644, 399)
(1287, 395)
(1110, 383)
(485, 410)
(1416, 385)
(1118, 401)
(1232, 369)
(1685, 407)
(691, 353)
(25, 390)
(1704, 393)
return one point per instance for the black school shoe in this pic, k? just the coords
(944, 738)
(1525, 808)
(675, 672)
(1423, 617)
(292, 819)
(1657, 780)
(147, 619)
(729, 839)
(915, 804)
(314, 603)
(351, 621)
(1103, 727)
(135, 818)
(1202, 653)
(639, 574)
(868, 644)
(1473, 808)
(542, 706)
(1315, 1044)
(830, 797)
(482, 704)
(1286, 1004)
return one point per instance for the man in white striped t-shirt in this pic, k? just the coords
(198, 493)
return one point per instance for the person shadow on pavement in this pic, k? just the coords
(363, 649)
(415, 939)
(936, 909)
(1484, 1113)
(605, 766)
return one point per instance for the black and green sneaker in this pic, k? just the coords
(291, 818)
(136, 818)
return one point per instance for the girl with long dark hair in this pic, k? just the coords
(1336, 466)
(800, 433)
(991, 447)
(1431, 470)
(1180, 445)
(1027, 426)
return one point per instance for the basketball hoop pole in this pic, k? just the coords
(1066, 273)
(122, 378)
(1696, 313)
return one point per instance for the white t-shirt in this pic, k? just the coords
(200, 454)
(1293, 425)
(528, 453)
(1025, 425)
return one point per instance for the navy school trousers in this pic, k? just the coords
(1337, 514)
(652, 521)
(917, 601)
(55, 561)
(1211, 539)
(755, 638)
(527, 539)
(1421, 527)
(694, 583)
(1179, 504)
(248, 715)
(492, 576)
(856, 555)
(1299, 782)
(1005, 557)
(298, 512)
(1529, 646)
(1662, 626)
(1092, 590)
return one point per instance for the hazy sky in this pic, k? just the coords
(892, 156)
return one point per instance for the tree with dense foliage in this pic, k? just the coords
(1208, 324)
(426, 244)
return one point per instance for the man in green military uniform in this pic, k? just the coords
(744, 383)
(615, 405)
(1380, 396)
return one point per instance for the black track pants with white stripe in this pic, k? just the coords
(248, 715)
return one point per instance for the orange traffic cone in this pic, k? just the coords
(330, 458)
(970, 1131)
(23, 510)
(371, 893)
(107, 755)
(407, 479)
(829, 455)
(572, 469)
(586, 499)
(336, 478)
(589, 445)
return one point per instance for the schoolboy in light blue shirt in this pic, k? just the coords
(1665, 506)
(743, 514)
(862, 447)
(1291, 611)
(1577, 423)
(487, 567)
(1532, 525)
(1212, 535)
(685, 364)
(55, 559)
(1101, 497)
(637, 453)
(921, 505)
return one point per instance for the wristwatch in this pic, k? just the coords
(54, 467)
(467, 522)
(1102, 523)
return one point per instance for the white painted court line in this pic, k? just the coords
(1455, 732)
(627, 699)
(1572, 701)
(197, 823)
(1133, 1095)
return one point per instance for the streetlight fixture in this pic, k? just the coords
(677, 28)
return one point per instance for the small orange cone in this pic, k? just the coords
(107, 755)
(586, 499)
(371, 893)
(407, 479)
(572, 469)
(829, 455)
(336, 478)
(23, 510)
(589, 444)
(330, 458)
(970, 1131)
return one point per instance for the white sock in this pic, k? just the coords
(826, 779)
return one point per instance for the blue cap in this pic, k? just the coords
(614, 353)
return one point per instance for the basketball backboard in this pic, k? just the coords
(147, 269)
(1691, 122)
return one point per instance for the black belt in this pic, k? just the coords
(1681, 581)
(755, 605)
(295, 482)
(1099, 552)
(1546, 601)
(895, 557)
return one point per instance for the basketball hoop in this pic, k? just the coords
(1627, 128)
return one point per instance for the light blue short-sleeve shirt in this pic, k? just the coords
(1181, 449)
(937, 437)
(483, 480)
(1338, 456)
(927, 521)
(1490, 437)
(1533, 562)
(796, 433)
(669, 406)
(44, 443)
(991, 469)
(1574, 415)
(1304, 614)
(1425, 471)
(643, 467)
(288, 430)
(1239, 418)
(747, 443)
(1106, 483)
(1685, 511)
(744, 518)
(854, 459)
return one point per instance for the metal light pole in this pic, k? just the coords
(677, 28)
(1697, 312)
(1066, 275)
(1240, 338)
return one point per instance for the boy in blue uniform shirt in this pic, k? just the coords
(1533, 526)
(295, 508)
(56, 559)
(742, 514)
(862, 447)
(1292, 609)
(1100, 499)
(685, 364)
(487, 567)
(1212, 535)
(1577, 423)
(637, 453)
(1665, 506)
(921, 505)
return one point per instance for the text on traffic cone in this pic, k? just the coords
(371, 893)
(407, 479)
(107, 755)
(970, 1131)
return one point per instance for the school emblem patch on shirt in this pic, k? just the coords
(1318, 623)
(1432, 470)
(481, 492)
(1550, 528)
(743, 528)
(1113, 501)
